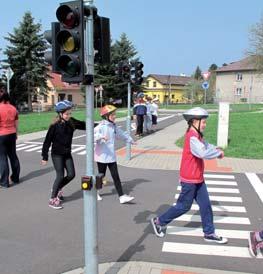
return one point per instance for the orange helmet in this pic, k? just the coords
(108, 109)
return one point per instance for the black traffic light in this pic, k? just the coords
(101, 40)
(52, 55)
(138, 73)
(70, 40)
(118, 70)
(126, 72)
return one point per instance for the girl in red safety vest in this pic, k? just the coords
(192, 182)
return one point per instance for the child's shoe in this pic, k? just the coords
(99, 198)
(216, 239)
(55, 203)
(255, 246)
(60, 196)
(157, 228)
(125, 199)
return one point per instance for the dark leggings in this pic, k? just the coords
(8, 150)
(139, 129)
(62, 162)
(114, 174)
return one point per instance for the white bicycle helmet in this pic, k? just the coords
(195, 113)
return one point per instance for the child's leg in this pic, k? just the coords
(116, 178)
(69, 166)
(261, 235)
(58, 162)
(102, 167)
(183, 204)
(202, 199)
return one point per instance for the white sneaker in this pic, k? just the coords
(125, 199)
(99, 198)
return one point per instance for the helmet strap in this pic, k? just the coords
(198, 129)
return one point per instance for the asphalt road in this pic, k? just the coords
(39, 240)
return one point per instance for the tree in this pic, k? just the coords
(194, 92)
(25, 55)
(212, 84)
(213, 67)
(198, 73)
(256, 45)
(121, 50)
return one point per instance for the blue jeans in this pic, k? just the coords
(188, 193)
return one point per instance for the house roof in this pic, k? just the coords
(173, 79)
(58, 84)
(244, 64)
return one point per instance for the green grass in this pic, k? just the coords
(33, 122)
(233, 107)
(245, 135)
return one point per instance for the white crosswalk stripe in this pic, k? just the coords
(223, 214)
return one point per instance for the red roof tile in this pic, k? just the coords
(244, 64)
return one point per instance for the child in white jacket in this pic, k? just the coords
(104, 153)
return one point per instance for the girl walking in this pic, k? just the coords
(60, 135)
(104, 153)
(192, 178)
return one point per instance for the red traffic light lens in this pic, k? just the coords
(138, 65)
(68, 65)
(68, 17)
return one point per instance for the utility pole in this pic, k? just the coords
(90, 197)
(128, 123)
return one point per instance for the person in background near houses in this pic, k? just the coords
(148, 117)
(104, 153)
(192, 178)
(8, 136)
(154, 108)
(139, 111)
(60, 135)
(255, 241)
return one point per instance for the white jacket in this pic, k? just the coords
(104, 151)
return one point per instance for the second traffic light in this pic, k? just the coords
(70, 40)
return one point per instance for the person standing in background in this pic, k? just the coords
(155, 108)
(139, 111)
(8, 136)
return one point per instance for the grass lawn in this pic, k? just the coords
(33, 122)
(245, 135)
(233, 107)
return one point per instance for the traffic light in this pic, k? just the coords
(118, 70)
(52, 55)
(70, 40)
(126, 72)
(101, 40)
(138, 73)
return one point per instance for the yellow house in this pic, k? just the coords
(167, 88)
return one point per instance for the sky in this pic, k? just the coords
(171, 36)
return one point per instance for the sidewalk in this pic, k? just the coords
(158, 151)
(135, 267)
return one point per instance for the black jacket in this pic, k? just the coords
(60, 135)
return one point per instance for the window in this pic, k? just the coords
(238, 91)
(154, 84)
(147, 84)
(172, 96)
(70, 97)
(239, 77)
(61, 96)
(45, 98)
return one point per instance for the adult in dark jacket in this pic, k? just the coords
(139, 111)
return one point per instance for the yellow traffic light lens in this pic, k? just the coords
(69, 44)
(84, 185)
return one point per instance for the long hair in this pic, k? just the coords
(4, 96)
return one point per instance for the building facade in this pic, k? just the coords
(239, 82)
(167, 88)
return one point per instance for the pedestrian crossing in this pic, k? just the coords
(230, 216)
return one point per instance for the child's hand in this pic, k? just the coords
(43, 162)
(222, 154)
(105, 138)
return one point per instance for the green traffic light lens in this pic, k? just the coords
(68, 65)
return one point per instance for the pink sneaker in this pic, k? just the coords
(55, 203)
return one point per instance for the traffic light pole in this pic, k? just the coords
(128, 123)
(90, 197)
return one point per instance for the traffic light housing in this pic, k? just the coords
(70, 40)
(126, 72)
(101, 40)
(52, 55)
(138, 73)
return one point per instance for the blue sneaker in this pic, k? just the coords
(158, 229)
